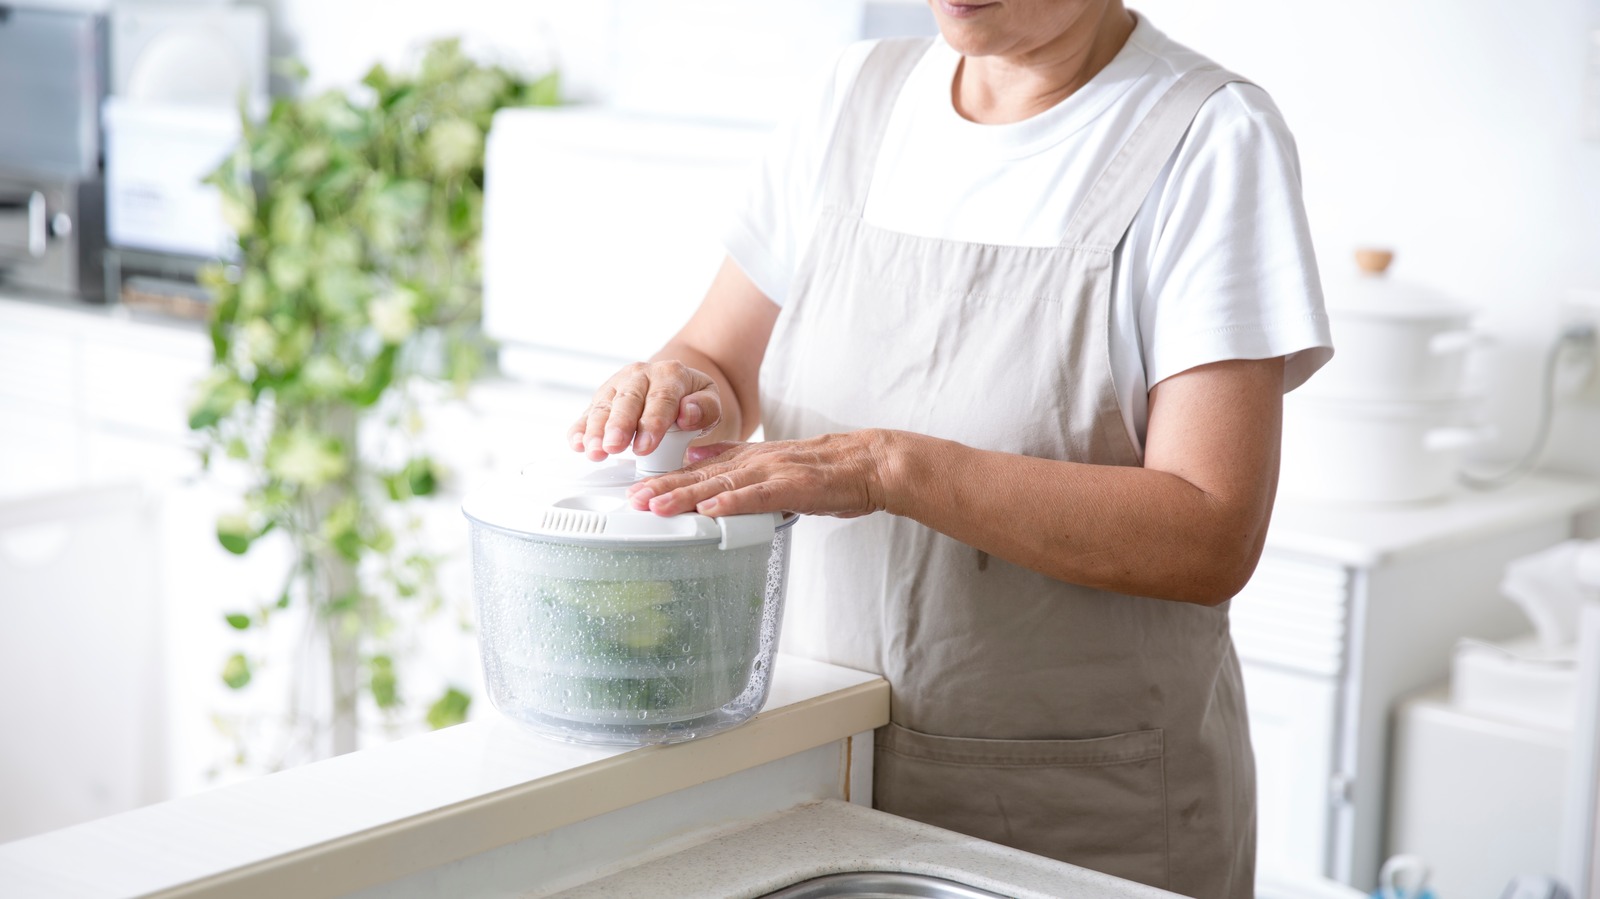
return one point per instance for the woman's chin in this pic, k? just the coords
(969, 39)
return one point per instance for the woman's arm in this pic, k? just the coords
(705, 375)
(1188, 526)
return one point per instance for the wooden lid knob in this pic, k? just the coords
(1374, 261)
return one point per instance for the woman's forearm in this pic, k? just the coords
(1130, 530)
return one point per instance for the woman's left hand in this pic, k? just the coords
(836, 474)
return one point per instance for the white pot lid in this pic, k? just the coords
(1371, 292)
(590, 506)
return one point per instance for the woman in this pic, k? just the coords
(1035, 291)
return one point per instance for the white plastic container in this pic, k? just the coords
(1518, 680)
(601, 623)
(1374, 452)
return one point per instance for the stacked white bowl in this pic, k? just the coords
(1386, 420)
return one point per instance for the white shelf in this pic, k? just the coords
(1365, 536)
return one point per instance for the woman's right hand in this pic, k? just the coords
(639, 403)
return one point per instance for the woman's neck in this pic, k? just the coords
(1010, 87)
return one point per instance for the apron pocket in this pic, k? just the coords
(1100, 803)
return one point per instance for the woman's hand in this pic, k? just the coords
(639, 403)
(836, 474)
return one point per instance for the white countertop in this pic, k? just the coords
(832, 837)
(1365, 535)
(373, 816)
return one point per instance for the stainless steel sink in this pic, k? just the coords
(880, 885)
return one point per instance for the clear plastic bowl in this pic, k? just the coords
(627, 645)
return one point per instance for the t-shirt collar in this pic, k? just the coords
(1032, 135)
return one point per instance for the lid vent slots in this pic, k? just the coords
(574, 521)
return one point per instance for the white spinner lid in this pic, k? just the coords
(591, 507)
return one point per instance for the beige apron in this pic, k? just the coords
(1104, 730)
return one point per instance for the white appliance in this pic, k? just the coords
(601, 234)
(179, 77)
(1480, 797)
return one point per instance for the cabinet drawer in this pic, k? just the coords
(1293, 614)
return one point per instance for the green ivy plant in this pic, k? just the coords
(358, 215)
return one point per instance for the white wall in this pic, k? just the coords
(1450, 130)
(1447, 129)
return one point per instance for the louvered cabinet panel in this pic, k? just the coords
(1293, 615)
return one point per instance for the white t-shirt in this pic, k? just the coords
(1217, 265)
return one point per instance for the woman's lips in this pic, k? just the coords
(962, 10)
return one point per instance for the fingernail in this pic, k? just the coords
(592, 444)
(645, 442)
(614, 436)
(577, 441)
(641, 497)
(691, 415)
(706, 507)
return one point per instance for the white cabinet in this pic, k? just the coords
(92, 409)
(1293, 725)
(1350, 609)
(80, 655)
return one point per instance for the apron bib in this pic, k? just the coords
(1100, 729)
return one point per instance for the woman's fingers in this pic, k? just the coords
(595, 425)
(834, 474)
(690, 497)
(629, 390)
(638, 404)
(669, 383)
(699, 454)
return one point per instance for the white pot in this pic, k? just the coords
(1364, 452)
(1394, 342)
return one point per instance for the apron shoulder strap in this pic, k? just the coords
(1117, 194)
(847, 173)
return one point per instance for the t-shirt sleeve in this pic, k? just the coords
(1232, 273)
(776, 212)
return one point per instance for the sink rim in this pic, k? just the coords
(846, 884)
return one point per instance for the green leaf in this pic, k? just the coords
(453, 146)
(306, 459)
(240, 622)
(379, 375)
(340, 605)
(292, 220)
(545, 91)
(235, 534)
(236, 673)
(383, 682)
(377, 78)
(349, 546)
(421, 477)
(218, 395)
(451, 708)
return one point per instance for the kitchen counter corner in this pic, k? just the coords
(373, 816)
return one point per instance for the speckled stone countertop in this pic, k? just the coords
(832, 837)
